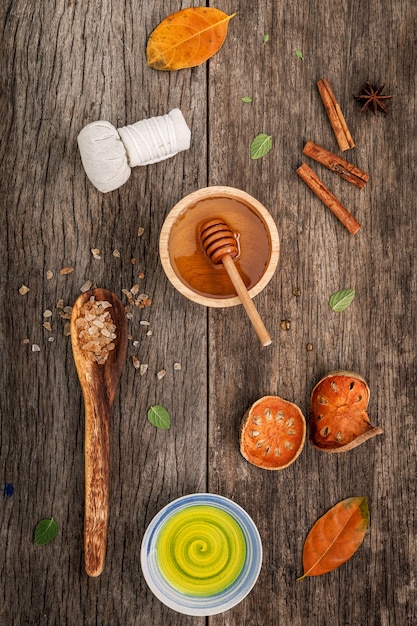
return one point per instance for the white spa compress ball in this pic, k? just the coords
(108, 153)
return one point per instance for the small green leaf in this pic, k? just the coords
(246, 99)
(260, 146)
(299, 55)
(265, 38)
(159, 417)
(45, 531)
(340, 300)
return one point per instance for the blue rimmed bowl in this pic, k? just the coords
(201, 554)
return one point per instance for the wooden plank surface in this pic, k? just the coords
(65, 64)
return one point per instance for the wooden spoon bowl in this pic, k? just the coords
(99, 384)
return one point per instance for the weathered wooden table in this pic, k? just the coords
(68, 63)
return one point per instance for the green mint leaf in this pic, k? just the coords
(260, 146)
(265, 38)
(45, 531)
(246, 99)
(158, 416)
(340, 300)
(299, 55)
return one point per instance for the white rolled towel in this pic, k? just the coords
(108, 154)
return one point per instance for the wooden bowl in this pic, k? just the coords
(185, 262)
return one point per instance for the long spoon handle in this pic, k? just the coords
(245, 298)
(97, 484)
(99, 383)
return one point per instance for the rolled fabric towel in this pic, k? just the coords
(103, 156)
(108, 154)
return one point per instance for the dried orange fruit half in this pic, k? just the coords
(272, 433)
(338, 412)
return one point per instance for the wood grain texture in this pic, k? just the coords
(349, 43)
(64, 64)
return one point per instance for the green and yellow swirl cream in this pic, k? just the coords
(201, 550)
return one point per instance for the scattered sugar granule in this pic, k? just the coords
(144, 323)
(149, 333)
(177, 366)
(96, 253)
(50, 339)
(64, 316)
(136, 343)
(23, 290)
(47, 325)
(143, 368)
(161, 374)
(35, 347)
(141, 230)
(142, 301)
(66, 270)
(67, 329)
(49, 275)
(47, 313)
(141, 275)
(87, 286)
(136, 363)
(25, 341)
(60, 304)
(133, 261)
(116, 253)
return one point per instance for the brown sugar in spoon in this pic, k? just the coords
(99, 344)
(220, 245)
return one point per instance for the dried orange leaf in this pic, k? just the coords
(187, 38)
(335, 537)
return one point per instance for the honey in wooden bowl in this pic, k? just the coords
(185, 261)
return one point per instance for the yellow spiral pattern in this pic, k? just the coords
(201, 550)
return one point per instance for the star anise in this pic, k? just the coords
(372, 99)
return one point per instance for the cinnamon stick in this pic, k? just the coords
(346, 170)
(326, 196)
(335, 115)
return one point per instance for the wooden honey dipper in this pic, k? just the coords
(220, 245)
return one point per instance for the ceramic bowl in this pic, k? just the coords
(201, 554)
(185, 262)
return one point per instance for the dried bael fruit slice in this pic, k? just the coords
(272, 433)
(338, 412)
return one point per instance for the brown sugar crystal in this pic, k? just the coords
(96, 331)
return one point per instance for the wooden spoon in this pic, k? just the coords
(99, 384)
(221, 246)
